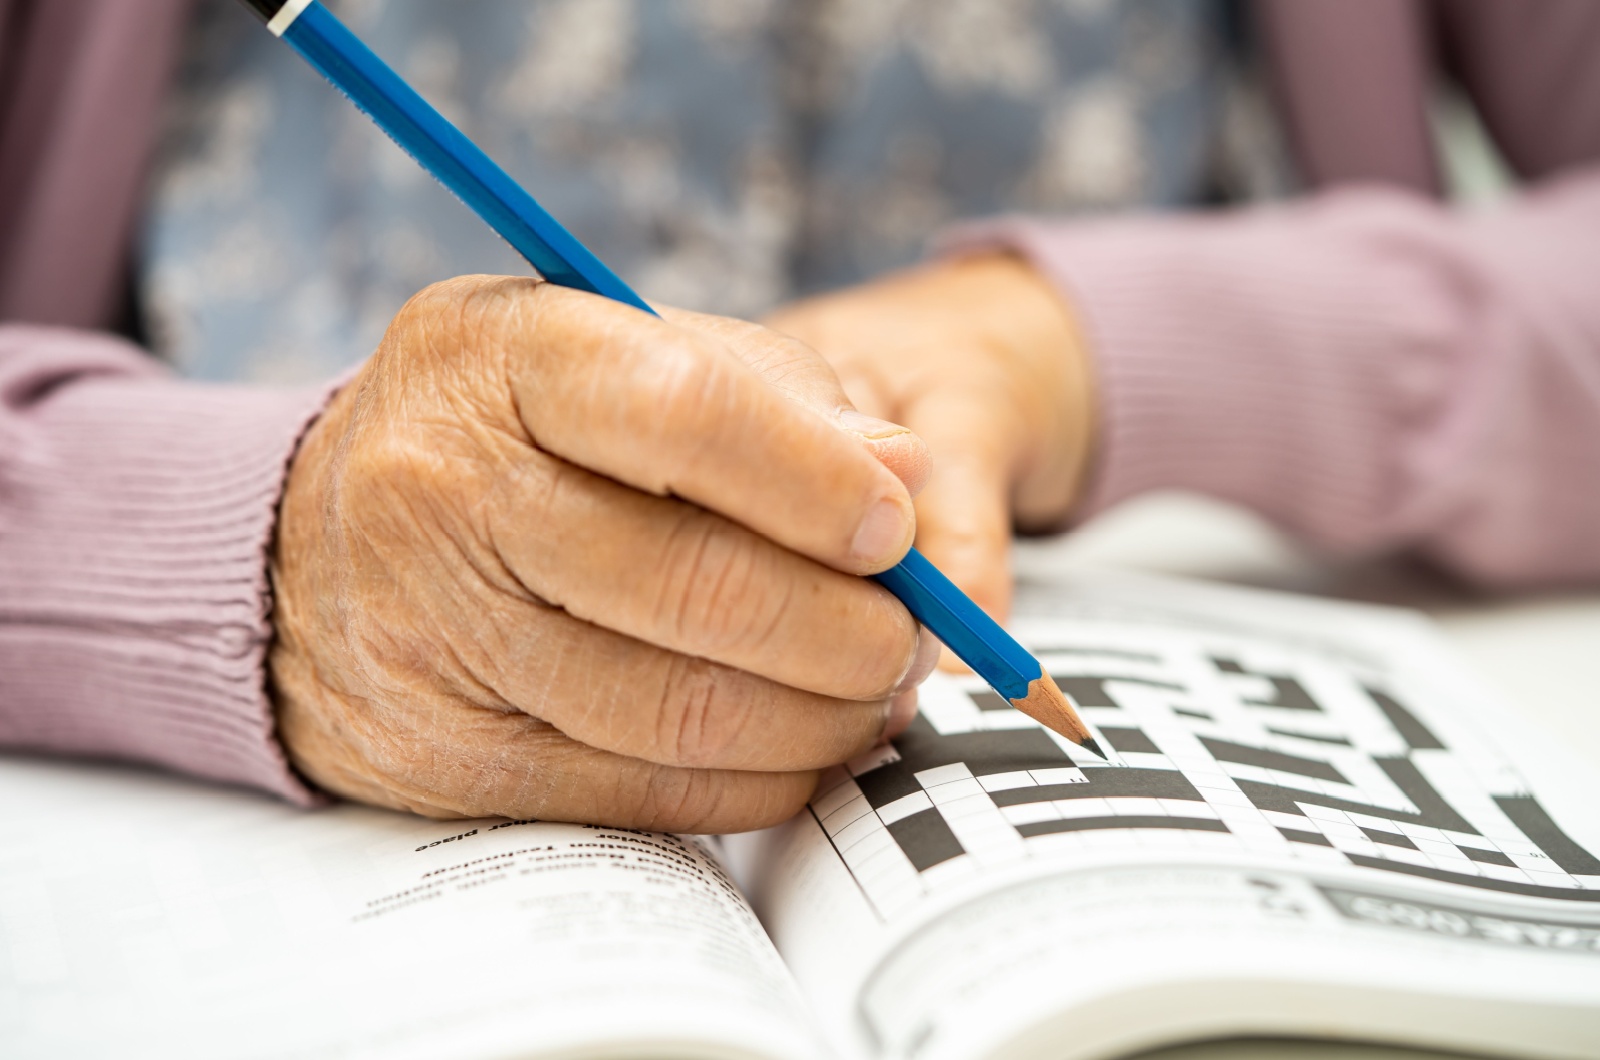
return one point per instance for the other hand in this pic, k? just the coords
(982, 358)
(548, 556)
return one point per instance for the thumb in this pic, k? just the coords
(898, 448)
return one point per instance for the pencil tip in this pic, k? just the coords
(1052, 708)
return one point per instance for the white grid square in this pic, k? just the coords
(1187, 808)
(852, 810)
(957, 868)
(858, 830)
(1501, 872)
(977, 802)
(1289, 820)
(904, 807)
(1058, 776)
(835, 797)
(1030, 813)
(1078, 808)
(1006, 781)
(929, 778)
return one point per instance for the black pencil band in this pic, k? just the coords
(279, 15)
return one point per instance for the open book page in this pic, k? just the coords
(148, 916)
(1312, 832)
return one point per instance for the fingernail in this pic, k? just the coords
(902, 709)
(881, 532)
(869, 426)
(923, 660)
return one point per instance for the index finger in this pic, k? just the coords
(671, 410)
(964, 515)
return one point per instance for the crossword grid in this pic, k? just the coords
(1227, 747)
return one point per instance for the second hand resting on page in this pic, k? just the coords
(981, 357)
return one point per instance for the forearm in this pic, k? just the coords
(135, 515)
(1366, 368)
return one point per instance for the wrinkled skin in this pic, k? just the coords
(981, 358)
(548, 556)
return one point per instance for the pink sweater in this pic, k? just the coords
(1364, 367)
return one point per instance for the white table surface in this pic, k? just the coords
(1540, 652)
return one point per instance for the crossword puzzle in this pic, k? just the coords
(1229, 745)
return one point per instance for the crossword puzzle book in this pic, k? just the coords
(1309, 832)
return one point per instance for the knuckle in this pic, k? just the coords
(719, 591)
(680, 404)
(393, 460)
(395, 491)
(422, 306)
(682, 387)
(697, 719)
(453, 329)
(678, 800)
(743, 802)
(698, 800)
(431, 297)
(436, 307)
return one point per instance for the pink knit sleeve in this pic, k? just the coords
(1366, 368)
(135, 515)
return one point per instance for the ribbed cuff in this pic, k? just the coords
(138, 511)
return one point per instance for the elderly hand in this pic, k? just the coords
(982, 359)
(550, 557)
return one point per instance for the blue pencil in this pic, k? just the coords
(458, 163)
